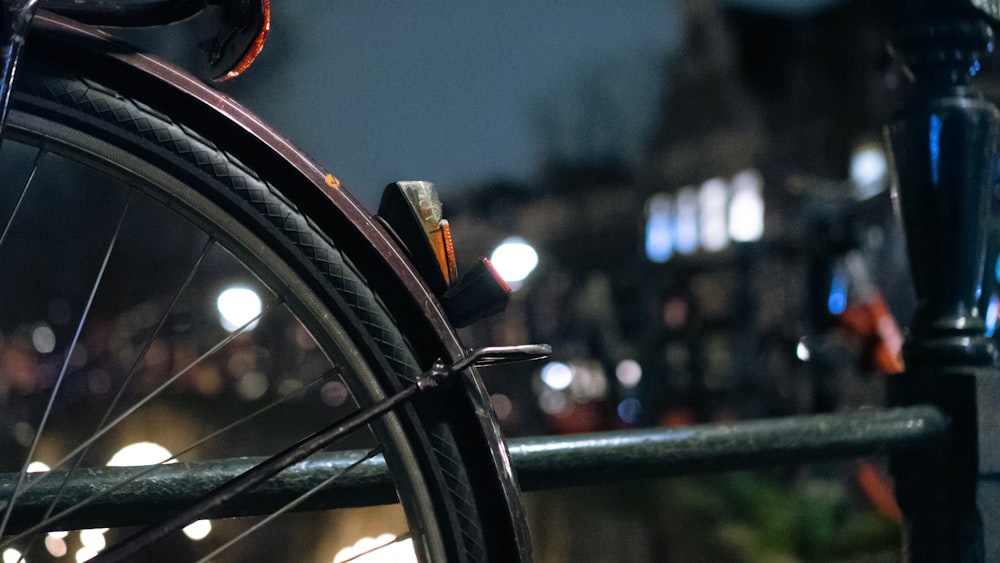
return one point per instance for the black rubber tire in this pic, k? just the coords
(149, 143)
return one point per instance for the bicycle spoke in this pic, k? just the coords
(62, 373)
(20, 198)
(270, 467)
(400, 538)
(163, 386)
(131, 372)
(156, 331)
(291, 505)
(53, 518)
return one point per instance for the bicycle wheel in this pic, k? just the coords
(135, 215)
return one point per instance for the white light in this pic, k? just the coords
(56, 546)
(141, 453)
(43, 339)
(746, 209)
(502, 405)
(252, 385)
(238, 306)
(629, 373)
(712, 199)
(868, 169)
(659, 229)
(557, 375)
(553, 402)
(93, 539)
(85, 554)
(802, 352)
(38, 467)
(686, 240)
(588, 381)
(383, 549)
(514, 259)
(198, 530)
(11, 555)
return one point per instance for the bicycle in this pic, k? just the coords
(136, 162)
(155, 168)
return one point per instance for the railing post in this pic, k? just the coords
(944, 144)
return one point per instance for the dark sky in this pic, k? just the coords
(461, 92)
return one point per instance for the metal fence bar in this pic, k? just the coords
(589, 459)
(541, 463)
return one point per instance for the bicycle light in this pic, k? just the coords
(413, 213)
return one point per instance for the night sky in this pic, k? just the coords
(461, 93)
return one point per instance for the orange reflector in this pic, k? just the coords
(444, 251)
(255, 48)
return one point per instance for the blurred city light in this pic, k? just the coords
(502, 405)
(713, 197)
(557, 375)
(992, 311)
(385, 548)
(628, 373)
(55, 544)
(148, 453)
(686, 240)
(746, 209)
(238, 306)
(94, 539)
(836, 302)
(629, 410)
(802, 351)
(140, 453)
(43, 339)
(514, 259)
(659, 229)
(710, 216)
(38, 467)
(869, 168)
(198, 530)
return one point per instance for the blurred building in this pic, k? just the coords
(740, 270)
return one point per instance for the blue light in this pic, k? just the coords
(935, 146)
(659, 230)
(837, 301)
(991, 316)
(629, 410)
(996, 269)
(974, 68)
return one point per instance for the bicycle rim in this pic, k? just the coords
(117, 253)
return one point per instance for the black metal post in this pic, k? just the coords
(944, 145)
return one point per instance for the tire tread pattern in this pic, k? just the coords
(157, 128)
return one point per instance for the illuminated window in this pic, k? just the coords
(659, 229)
(686, 240)
(712, 199)
(746, 209)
